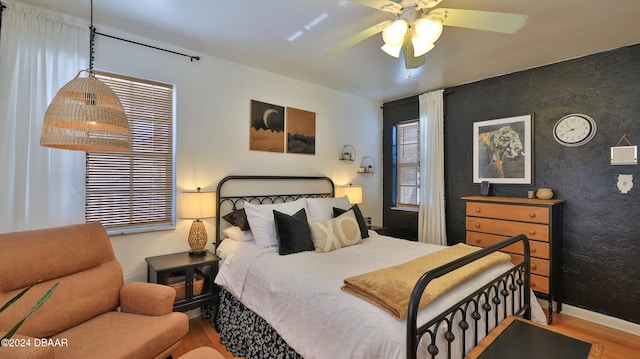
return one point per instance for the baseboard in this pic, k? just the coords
(602, 319)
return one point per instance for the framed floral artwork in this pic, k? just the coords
(503, 150)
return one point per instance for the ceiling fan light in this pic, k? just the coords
(428, 30)
(420, 47)
(392, 50)
(394, 34)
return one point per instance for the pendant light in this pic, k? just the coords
(86, 115)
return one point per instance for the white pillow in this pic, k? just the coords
(321, 209)
(235, 233)
(263, 226)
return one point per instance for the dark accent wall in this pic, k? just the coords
(601, 246)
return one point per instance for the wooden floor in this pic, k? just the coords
(617, 344)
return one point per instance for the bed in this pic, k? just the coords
(292, 304)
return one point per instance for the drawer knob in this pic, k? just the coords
(533, 266)
(532, 214)
(477, 225)
(533, 284)
(532, 231)
(533, 250)
(478, 240)
(477, 209)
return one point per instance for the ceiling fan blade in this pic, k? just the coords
(427, 4)
(480, 20)
(382, 5)
(411, 62)
(354, 39)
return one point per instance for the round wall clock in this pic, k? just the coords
(574, 130)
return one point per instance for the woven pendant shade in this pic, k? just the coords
(86, 115)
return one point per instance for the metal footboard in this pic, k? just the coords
(460, 328)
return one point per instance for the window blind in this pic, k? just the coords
(134, 190)
(408, 163)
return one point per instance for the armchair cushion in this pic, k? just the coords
(147, 298)
(124, 336)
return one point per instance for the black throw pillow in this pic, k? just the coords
(364, 232)
(294, 234)
(238, 218)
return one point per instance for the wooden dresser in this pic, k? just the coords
(493, 219)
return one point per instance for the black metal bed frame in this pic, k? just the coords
(234, 201)
(491, 297)
(509, 294)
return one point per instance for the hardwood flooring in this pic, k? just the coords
(617, 344)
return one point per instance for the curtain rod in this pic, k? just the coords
(93, 30)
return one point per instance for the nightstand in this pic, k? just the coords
(378, 229)
(191, 276)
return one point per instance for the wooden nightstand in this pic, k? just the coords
(191, 276)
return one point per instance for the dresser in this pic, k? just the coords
(492, 219)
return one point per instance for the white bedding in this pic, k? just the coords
(299, 295)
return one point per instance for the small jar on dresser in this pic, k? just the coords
(492, 219)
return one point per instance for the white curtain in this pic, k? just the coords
(431, 216)
(40, 51)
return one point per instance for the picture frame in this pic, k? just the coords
(624, 155)
(503, 150)
(301, 131)
(266, 127)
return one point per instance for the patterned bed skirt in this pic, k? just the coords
(246, 334)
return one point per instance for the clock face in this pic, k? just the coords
(574, 130)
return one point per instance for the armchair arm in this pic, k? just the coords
(23, 346)
(147, 298)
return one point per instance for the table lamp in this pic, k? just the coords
(198, 205)
(353, 193)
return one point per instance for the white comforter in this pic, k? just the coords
(299, 295)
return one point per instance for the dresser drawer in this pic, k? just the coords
(508, 228)
(510, 212)
(537, 249)
(538, 266)
(540, 284)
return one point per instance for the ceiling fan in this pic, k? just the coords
(418, 26)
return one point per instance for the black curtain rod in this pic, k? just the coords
(93, 31)
(141, 44)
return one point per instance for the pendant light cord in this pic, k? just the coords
(92, 38)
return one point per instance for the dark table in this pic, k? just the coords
(521, 339)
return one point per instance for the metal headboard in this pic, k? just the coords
(233, 191)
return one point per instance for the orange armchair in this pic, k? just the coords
(92, 313)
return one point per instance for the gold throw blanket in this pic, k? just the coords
(390, 288)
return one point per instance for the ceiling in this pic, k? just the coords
(259, 34)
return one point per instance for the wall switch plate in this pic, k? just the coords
(368, 220)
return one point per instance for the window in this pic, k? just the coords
(133, 191)
(407, 163)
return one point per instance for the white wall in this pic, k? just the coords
(212, 132)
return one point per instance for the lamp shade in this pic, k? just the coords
(197, 205)
(427, 30)
(354, 193)
(393, 34)
(86, 115)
